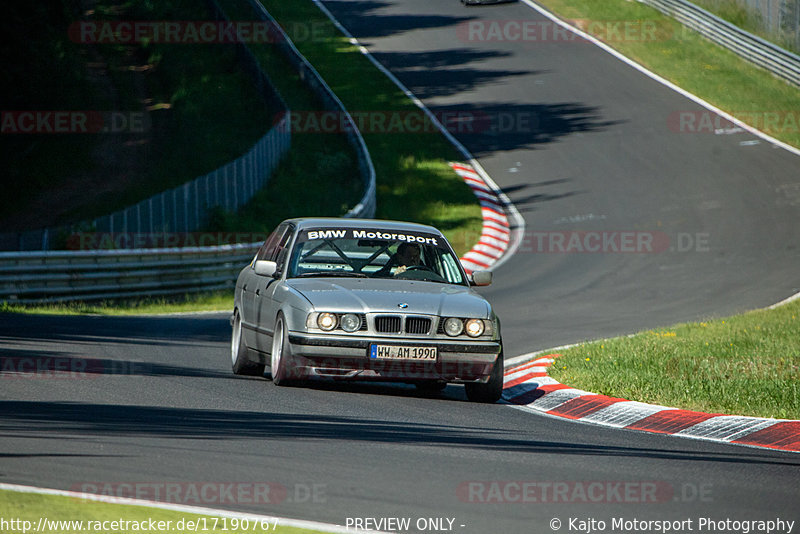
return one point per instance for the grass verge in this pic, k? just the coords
(220, 300)
(22, 512)
(744, 365)
(690, 61)
(414, 180)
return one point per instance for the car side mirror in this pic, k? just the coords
(265, 268)
(481, 278)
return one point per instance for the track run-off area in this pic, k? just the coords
(581, 143)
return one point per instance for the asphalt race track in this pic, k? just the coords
(581, 142)
(152, 401)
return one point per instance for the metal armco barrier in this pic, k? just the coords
(60, 276)
(775, 59)
(56, 276)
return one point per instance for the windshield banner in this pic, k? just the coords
(366, 233)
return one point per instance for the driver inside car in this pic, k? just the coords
(407, 255)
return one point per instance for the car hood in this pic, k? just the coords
(386, 295)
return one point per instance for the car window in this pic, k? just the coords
(282, 249)
(360, 253)
(269, 250)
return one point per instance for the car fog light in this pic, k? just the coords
(453, 326)
(350, 322)
(326, 321)
(475, 327)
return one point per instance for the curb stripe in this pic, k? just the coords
(526, 397)
(670, 422)
(623, 414)
(528, 385)
(495, 233)
(781, 435)
(727, 427)
(583, 406)
(523, 378)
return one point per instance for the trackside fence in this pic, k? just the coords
(60, 276)
(775, 59)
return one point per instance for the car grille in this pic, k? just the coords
(388, 324)
(393, 324)
(418, 325)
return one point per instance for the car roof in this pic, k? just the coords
(376, 224)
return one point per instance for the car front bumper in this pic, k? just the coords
(459, 361)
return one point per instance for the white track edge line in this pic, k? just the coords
(652, 75)
(519, 227)
(125, 501)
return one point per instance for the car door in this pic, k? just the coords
(267, 291)
(252, 284)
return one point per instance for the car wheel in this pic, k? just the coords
(490, 391)
(241, 365)
(281, 358)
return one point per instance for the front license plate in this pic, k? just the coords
(402, 352)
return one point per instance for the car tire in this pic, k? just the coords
(492, 390)
(239, 362)
(281, 365)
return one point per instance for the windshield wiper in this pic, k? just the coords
(344, 274)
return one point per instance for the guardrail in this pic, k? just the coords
(58, 276)
(775, 59)
(185, 208)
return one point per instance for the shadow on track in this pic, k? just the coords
(49, 419)
(488, 127)
(137, 330)
(384, 25)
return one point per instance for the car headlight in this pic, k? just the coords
(475, 327)
(327, 321)
(350, 322)
(453, 326)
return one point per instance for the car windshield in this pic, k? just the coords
(355, 252)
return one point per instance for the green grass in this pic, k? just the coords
(320, 175)
(221, 300)
(747, 364)
(98, 517)
(414, 181)
(695, 64)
